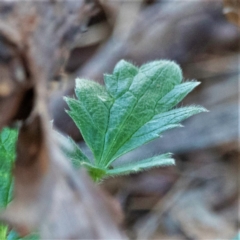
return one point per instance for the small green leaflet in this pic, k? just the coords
(134, 108)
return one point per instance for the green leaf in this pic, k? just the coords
(8, 139)
(137, 166)
(135, 108)
(3, 232)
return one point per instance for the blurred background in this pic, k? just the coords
(197, 198)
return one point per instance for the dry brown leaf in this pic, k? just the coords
(232, 11)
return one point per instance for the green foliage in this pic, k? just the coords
(14, 236)
(133, 109)
(8, 139)
(3, 232)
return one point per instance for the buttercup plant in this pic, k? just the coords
(135, 107)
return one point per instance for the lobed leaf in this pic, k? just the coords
(135, 108)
